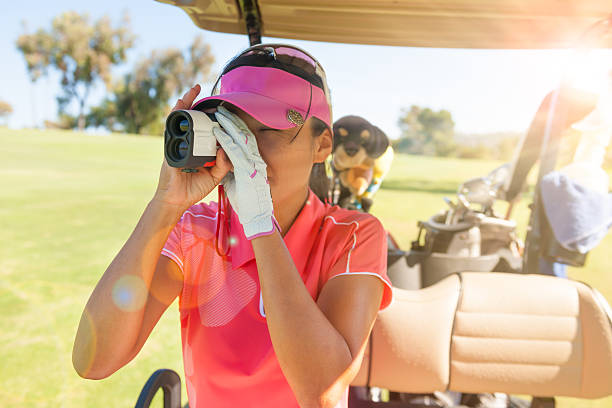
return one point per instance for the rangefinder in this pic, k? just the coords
(189, 142)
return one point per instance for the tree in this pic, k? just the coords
(82, 52)
(139, 101)
(5, 110)
(425, 131)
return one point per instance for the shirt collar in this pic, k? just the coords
(299, 239)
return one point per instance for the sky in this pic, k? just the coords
(485, 90)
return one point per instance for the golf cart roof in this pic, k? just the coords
(510, 24)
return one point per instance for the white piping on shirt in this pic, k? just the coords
(262, 312)
(202, 215)
(349, 255)
(171, 254)
(174, 257)
(348, 260)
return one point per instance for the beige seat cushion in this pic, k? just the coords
(494, 332)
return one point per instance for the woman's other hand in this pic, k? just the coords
(181, 190)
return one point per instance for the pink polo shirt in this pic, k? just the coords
(227, 352)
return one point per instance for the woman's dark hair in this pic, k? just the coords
(319, 183)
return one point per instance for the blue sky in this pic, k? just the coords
(486, 91)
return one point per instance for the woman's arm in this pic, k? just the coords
(139, 284)
(129, 299)
(319, 345)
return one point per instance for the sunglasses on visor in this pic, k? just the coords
(281, 56)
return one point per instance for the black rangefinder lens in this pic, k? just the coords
(179, 150)
(183, 149)
(189, 141)
(178, 125)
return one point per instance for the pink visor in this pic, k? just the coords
(272, 96)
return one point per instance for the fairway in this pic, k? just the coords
(68, 203)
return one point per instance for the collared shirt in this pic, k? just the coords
(227, 352)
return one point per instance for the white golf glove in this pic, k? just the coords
(247, 187)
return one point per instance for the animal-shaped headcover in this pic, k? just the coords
(362, 156)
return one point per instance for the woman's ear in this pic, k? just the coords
(323, 146)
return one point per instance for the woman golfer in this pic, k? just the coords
(278, 291)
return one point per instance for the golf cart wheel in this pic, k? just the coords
(170, 383)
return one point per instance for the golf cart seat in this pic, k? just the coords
(493, 332)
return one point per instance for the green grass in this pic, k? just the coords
(68, 203)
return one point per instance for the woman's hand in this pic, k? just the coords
(247, 188)
(181, 190)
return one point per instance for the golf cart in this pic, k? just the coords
(476, 320)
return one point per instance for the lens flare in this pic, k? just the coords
(233, 240)
(83, 361)
(129, 293)
(589, 70)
